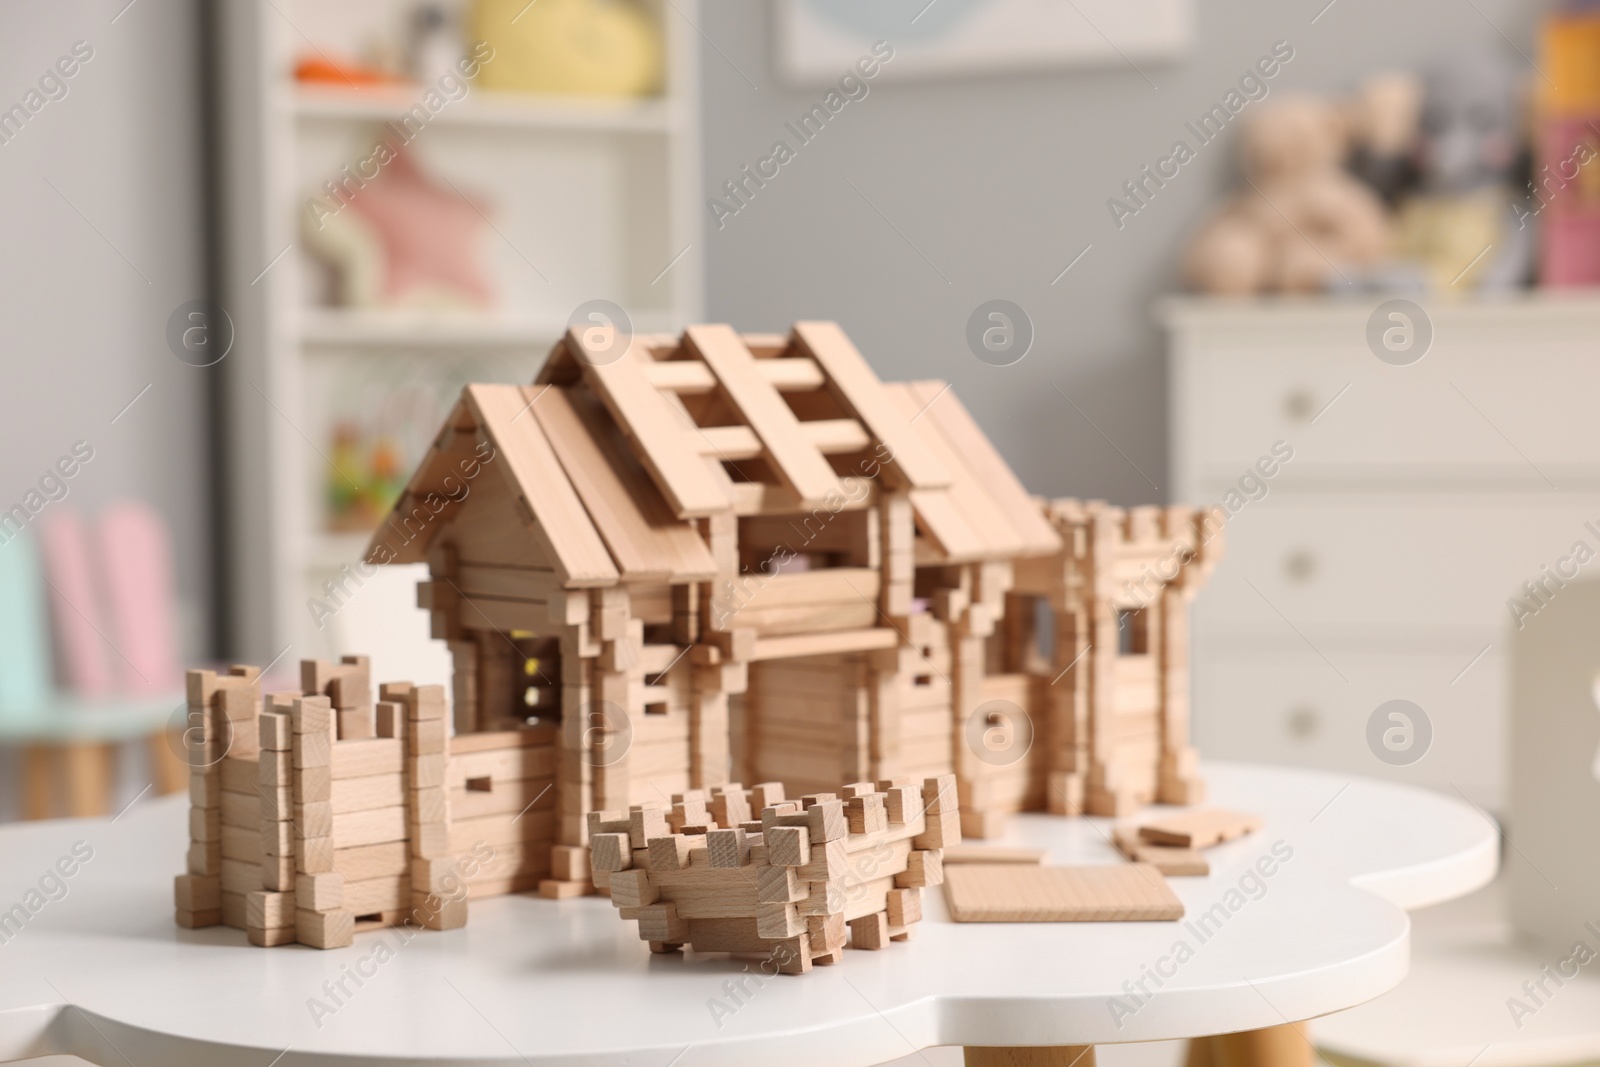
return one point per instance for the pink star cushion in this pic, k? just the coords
(426, 238)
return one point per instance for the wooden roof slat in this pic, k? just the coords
(974, 451)
(862, 392)
(828, 436)
(958, 523)
(665, 444)
(647, 541)
(790, 453)
(690, 377)
(536, 477)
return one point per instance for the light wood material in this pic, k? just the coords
(1275, 1046)
(665, 444)
(531, 470)
(1049, 1056)
(973, 853)
(790, 452)
(864, 395)
(1199, 829)
(645, 538)
(1014, 892)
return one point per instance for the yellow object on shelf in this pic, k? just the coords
(586, 47)
(1570, 50)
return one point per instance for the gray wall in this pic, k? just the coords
(1000, 182)
(91, 269)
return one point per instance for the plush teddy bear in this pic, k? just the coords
(1302, 220)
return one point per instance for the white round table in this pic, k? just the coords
(1303, 918)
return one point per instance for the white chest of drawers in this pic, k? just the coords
(1377, 562)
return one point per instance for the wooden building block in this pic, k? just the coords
(268, 910)
(779, 885)
(968, 853)
(788, 846)
(866, 814)
(902, 803)
(357, 723)
(939, 794)
(1012, 892)
(903, 906)
(778, 920)
(319, 892)
(943, 830)
(1199, 829)
(197, 893)
(670, 853)
(633, 889)
(1170, 860)
(924, 868)
(274, 730)
(765, 794)
(728, 848)
(610, 852)
(569, 863)
(870, 931)
(324, 929)
(647, 824)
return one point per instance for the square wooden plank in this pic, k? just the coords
(796, 461)
(1170, 860)
(1019, 892)
(1199, 829)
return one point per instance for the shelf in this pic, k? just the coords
(333, 328)
(493, 110)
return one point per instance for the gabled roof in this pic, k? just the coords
(613, 456)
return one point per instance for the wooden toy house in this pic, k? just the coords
(672, 565)
(647, 533)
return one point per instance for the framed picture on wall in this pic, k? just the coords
(817, 41)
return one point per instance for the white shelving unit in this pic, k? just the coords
(1379, 562)
(586, 199)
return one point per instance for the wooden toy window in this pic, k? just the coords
(1133, 632)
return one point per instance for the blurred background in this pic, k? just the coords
(1327, 264)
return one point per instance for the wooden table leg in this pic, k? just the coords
(1276, 1046)
(167, 768)
(1047, 1056)
(87, 766)
(38, 764)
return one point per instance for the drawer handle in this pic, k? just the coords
(1300, 566)
(1300, 405)
(1303, 722)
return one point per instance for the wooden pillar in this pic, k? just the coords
(1104, 791)
(1276, 1046)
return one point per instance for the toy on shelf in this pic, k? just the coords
(400, 239)
(1304, 224)
(677, 563)
(583, 47)
(789, 885)
(1457, 227)
(319, 69)
(1565, 190)
(364, 479)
